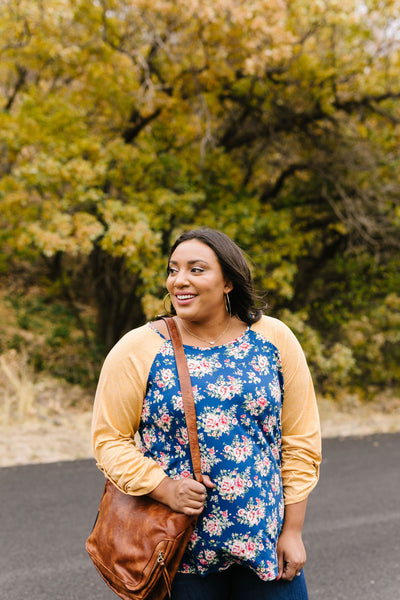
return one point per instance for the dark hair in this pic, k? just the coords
(234, 267)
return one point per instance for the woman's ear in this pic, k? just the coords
(228, 287)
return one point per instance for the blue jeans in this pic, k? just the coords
(237, 583)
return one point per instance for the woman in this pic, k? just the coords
(257, 422)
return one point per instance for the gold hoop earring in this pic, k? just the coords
(167, 311)
(228, 305)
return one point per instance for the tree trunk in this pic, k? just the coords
(119, 307)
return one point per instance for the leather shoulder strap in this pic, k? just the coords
(187, 395)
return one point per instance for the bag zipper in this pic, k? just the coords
(161, 562)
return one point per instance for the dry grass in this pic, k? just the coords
(353, 417)
(17, 395)
(44, 419)
(47, 427)
(26, 396)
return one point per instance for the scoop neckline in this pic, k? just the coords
(239, 338)
(231, 342)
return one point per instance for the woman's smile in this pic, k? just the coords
(183, 297)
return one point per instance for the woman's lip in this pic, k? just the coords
(184, 298)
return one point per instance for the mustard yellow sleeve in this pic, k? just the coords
(116, 414)
(301, 434)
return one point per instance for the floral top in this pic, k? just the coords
(258, 427)
(238, 393)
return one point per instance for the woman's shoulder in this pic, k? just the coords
(268, 326)
(143, 333)
(160, 327)
(276, 331)
(137, 343)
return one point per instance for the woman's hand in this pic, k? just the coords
(183, 495)
(291, 555)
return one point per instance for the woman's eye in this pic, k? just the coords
(174, 270)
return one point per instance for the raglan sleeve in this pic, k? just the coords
(301, 434)
(116, 416)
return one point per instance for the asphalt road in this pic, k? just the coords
(352, 531)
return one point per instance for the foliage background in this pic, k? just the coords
(124, 122)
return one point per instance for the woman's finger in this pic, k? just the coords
(207, 482)
(280, 565)
(290, 570)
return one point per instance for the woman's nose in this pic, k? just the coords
(181, 278)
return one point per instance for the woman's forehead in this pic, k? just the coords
(192, 251)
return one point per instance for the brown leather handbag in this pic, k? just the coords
(137, 543)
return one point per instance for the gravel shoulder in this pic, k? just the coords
(68, 436)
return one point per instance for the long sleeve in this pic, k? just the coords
(116, 415)
(301, 436)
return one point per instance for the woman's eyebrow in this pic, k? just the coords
(190, 262)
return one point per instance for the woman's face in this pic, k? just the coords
(196, 282)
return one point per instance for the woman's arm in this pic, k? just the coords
(301, 454)
(117, 410)
(301, 443)
(301, 435)
(290, 549)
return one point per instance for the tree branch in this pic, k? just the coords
(136, 123)
(22, 73)
(273, 190)
(368, 101)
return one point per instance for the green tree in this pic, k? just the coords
(125, 122)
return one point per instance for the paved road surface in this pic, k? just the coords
(352, 531)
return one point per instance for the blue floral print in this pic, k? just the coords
(238, 392)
